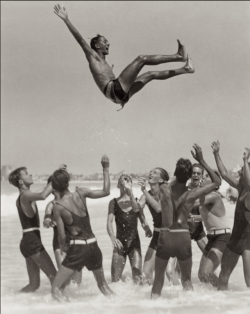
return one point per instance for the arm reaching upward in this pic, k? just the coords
(222, 169)
(156, 205)
(246, 168)
(63, 14)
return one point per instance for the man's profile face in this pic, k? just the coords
(26, 177)
(196, 176)
(155, 176)
(103, 45)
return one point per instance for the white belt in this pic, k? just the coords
(30, 229)
(157, 229)
(219, 231)
(175, 230)
(77, 241)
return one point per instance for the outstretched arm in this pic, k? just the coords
(106, 182)
(246, 168)
(62, 13)
(154, 203)
(222, 169)
(29, 196)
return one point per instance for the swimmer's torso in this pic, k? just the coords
(157, 217)
(102, 72)
(76, 218)
(28, 222)
(126, 225)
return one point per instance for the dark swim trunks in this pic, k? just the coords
(56, 245)
(113, 91)
(80, 255)
(154, 240)
(31, 243)
(217, 241)
(174, 244)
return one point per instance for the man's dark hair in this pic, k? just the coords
(94, 41)
(49, 179)
(60, 180)
(198, 166)
(164, 174)
(14, 176)
(183, 170)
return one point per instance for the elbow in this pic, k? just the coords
(107, 193)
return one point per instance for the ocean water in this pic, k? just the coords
(87, 298)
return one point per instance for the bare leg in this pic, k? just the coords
(160, 268)
(45, 263)
(130, 73)
(228, 263)
(62, 277)
(202, 243)
(136, 265)
(145, 78)
(171, 273)
(101, 282)
(59, 257)
(149, 266)
(208, 265)
(186, 267)
(34, 276)
(77, 277)
(246, 266)
(117, 266)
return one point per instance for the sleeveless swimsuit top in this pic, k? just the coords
(157, 217)
(81, 225)
(213, 222)
(126, 223)
(241, 217)
(26, 221)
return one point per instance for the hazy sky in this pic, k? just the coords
(52, 111)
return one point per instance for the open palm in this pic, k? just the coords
(61, 12)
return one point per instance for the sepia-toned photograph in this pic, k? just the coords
(125, 157)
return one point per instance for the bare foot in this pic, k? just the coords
(189, 67)
(181, 53)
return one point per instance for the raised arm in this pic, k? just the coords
(62, 13)
(106, 182)
(246, 168)
(116, 243)
(196, 193)
(29, 196)
(222, 169)
(155, 204)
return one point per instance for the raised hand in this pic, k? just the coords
(198, 153)
(61, 12)
(105, 162)
(215, 147)
(143, 183)
(246, 154)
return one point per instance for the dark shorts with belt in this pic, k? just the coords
(113, 91)
(80, 255)
(196, 230)
(217, 241)
(174, 244)
(55, 243)
(238, 243)
(31, 243)
(154, 240)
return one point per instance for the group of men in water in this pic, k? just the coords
(171, 203)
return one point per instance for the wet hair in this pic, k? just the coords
(183, 170)
(94, 41)
(14, 176)
(198, 166)
(60, 180)
(164, 174)
(49, 179)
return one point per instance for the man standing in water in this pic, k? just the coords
(176, 203)
(31, 245)
(128, 83)
(74, 231)
(239, 243)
